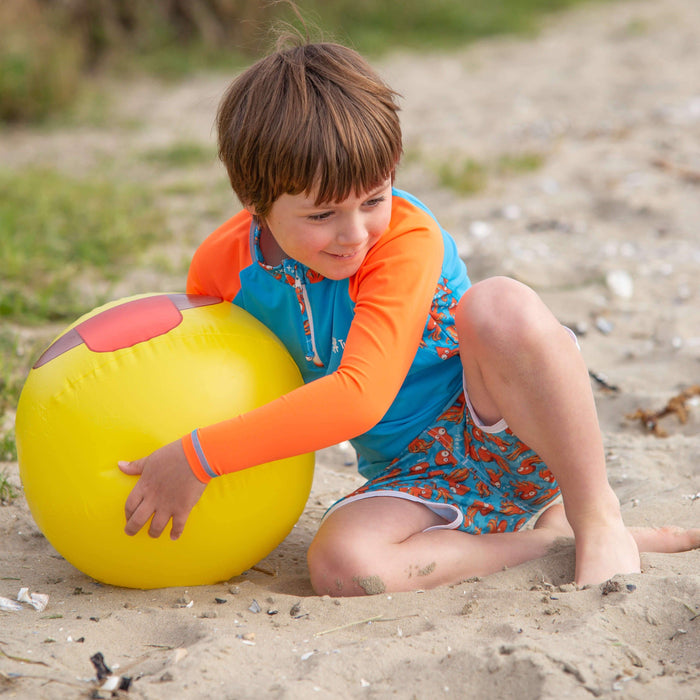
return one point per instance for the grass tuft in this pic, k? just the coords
(8, 448)
(466, 177)
(470, 176)
(55, 229)
(17, 352)
(8, 492)
(183, 154)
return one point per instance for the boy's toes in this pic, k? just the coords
(668, 539)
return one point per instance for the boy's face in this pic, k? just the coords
(331, 239)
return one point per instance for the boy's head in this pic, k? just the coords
(309, 118)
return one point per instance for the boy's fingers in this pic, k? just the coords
(158, 524)
(138, 518)
(134, 467)
(133, 501)
(178, 526)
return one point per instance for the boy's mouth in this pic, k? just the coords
(343, 256)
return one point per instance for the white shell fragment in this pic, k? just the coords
(480, 229)
(7, 605)
(38, 601)
(620, 283)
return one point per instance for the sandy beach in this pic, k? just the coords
(607, 230)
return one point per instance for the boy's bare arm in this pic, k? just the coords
(166, 489)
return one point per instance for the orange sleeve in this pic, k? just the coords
(393, 292)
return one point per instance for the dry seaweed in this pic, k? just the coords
(676, 406)
(685, 173)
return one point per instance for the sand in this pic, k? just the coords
(607, 231)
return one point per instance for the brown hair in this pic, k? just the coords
(306, 117)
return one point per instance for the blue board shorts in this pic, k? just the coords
(478, 478)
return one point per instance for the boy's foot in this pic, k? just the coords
(620, 548)
(601, 553)
(604, 551)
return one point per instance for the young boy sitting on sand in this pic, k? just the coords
(469, 406)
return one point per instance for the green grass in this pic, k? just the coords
(48, 54)
(466, 177)
(8, 448)
(17, 352)
(371, 26)
(470, 176)
(40, 71)
(519, 163)
(56, 231)
(374, 27)
(7, 491)
(183, 154)
(12, 371)
(172, 61)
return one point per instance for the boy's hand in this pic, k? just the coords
(167, 489)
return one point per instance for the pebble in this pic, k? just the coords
(549, 186)
(683, 292)
(604, 326)
(480, 229)
(620, 283)
(512, 212)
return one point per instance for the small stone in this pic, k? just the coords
(480, 229)
(620, 283)
(580, 328)
(604, 326)
(609, 587)
(512, 212)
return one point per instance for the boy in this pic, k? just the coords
(469, 406)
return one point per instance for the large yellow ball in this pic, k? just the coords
(126, 379)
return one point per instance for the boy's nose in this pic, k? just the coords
(352, 232)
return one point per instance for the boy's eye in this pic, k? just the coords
(375, 201)
(319, 217)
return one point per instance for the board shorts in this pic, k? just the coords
(478, 478)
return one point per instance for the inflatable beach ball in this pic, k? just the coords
(130, 377)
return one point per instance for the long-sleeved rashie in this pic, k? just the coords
(377, 351)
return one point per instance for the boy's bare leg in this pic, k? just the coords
(520, 364)
(377, 545)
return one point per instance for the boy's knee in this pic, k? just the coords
(337, 566)
(500, 312)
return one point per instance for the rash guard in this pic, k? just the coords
(377, 351)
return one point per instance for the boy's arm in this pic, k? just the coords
(167, 488)
(393, 294)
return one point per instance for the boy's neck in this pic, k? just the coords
(272, 254)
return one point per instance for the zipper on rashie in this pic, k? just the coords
(311, 339)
